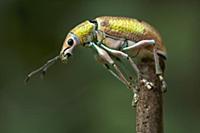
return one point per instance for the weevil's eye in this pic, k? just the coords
(70, 42)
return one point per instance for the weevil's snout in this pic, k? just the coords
(65, 53)
(64, 57)
(69, 44)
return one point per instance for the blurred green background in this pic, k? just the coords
(81, 96)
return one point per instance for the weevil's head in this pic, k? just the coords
(78, 36)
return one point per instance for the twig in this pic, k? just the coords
(149, 110)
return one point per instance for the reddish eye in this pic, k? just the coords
(70, 42)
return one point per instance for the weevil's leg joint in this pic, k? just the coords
(140, 44)
(116, 53)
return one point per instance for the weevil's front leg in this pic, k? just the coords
(106, 59)
(98, 58)
(113, 73)
(134, 89)
(121, 54)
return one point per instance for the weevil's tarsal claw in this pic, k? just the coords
(149, 85)
(42, 69)
(164, 87)
(135, 96)
(164, 84)
(135, 99)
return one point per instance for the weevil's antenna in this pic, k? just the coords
(42, 69)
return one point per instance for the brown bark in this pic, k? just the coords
(149, 110)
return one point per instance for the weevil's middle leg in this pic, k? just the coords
(139, 44)
(118, 53)
(156, 58)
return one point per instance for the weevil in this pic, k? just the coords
(115, 37)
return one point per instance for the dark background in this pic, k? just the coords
(81, 96)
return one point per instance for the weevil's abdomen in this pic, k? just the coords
(128, 28)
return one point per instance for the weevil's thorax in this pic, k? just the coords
(85, 32)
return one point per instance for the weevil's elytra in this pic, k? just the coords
(116, 38)
(128, 28)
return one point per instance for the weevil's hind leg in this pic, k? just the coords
(159, 71)
(138, 45)
(157, 64)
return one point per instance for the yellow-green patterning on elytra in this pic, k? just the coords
(129, 28)
(120, 26)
